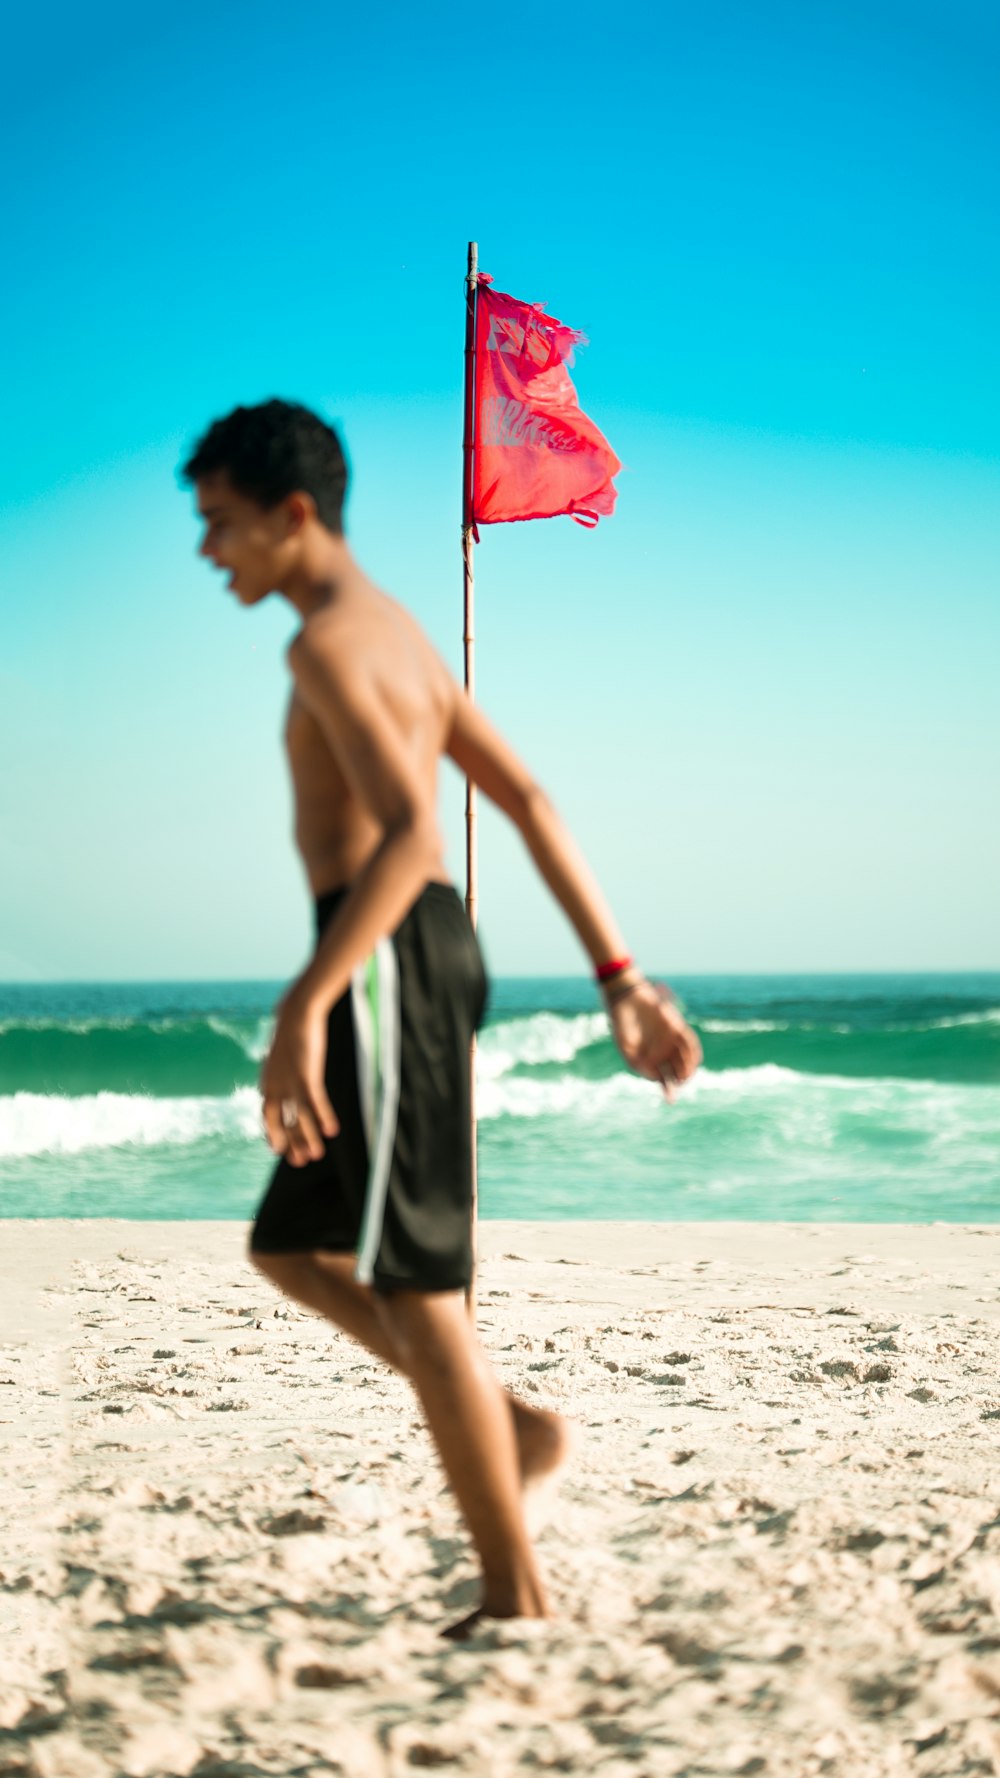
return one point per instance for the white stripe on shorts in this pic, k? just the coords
(364, 1049)
(381, 1145)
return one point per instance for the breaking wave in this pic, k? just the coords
(38, 1123)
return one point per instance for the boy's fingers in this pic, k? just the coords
(684, 1062)
(276, 1134)
(304, 1140)
(684, 1055)
(668, 1054)
(674, 1064)
(324, 1113)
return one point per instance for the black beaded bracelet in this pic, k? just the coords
(611, 997)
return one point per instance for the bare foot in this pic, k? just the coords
(545, 1441)
(545, 1444)
(536, 1609)
(467, 1627)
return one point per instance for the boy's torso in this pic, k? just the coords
(334, 833)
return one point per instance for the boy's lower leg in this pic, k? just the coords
(325, 1282)
(471, 1423)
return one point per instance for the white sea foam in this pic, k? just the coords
(544, 1037)
(763, 1078)
(522, 1097)
(40, 1123)
(567, 1096)
(75, 1027)
(742, 1025)
(254, 1044)
(989, 1016)
(787, 1091)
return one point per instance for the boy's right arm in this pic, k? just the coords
(649, 1030)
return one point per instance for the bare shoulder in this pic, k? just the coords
(372, 647)
(335, 657)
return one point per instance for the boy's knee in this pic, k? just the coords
(425, 1325)
(281, 1268)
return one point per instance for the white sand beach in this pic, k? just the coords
(225, 1547)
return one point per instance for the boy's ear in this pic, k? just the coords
(300, 508)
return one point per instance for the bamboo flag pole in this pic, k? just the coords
(469, 639)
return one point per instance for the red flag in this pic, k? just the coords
(536, 454)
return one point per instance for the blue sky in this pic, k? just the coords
(763, 693)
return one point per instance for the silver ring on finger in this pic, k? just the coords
(289, 1114)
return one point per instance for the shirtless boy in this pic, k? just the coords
(366, 1092)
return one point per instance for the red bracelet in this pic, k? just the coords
(606, 971)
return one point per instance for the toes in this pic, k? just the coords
(467, 1627)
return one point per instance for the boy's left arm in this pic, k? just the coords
(647, 1025)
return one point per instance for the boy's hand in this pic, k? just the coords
(653, 1037)
(297, 1109)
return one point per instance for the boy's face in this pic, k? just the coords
(245, 539)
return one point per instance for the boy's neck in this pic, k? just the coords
(325, 563)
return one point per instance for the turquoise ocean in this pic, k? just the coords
(855, 1098)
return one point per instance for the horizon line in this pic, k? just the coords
(157, 981)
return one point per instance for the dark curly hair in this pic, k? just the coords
(273, 450)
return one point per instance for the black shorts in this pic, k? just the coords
(394, 1185)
